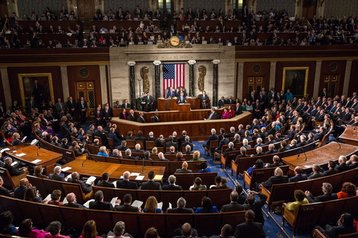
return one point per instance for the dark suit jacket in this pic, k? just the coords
(183, 171)
(75, 205)
(126, 208)
(151, 185)
(126, 184)
(322, 198)
(298, 177)
(56, 177)
(105, 184)
(19, 192)
(13, 171)
(275, 180)
(101, 205)
(180, 210)
(249, 229)
(172, 187)
(335, 231)
(233, 206)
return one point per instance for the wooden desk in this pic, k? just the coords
(93, 168)
(320, 155)
(350, 135)
(198, 129)
(167, 104)
(48, 158)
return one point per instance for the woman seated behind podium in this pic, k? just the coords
(151, 206)
(226, 114)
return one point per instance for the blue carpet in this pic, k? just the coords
(273, 223)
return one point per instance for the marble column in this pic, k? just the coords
(131, 65)
(216, 63)
(65, 87)
(191, 77)
(347, 77)
(6, 86)
(317, 79)
(157, 64)
(272, 75)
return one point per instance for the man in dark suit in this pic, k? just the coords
(213, 115)
(238, 109)
(125, 183)
(345, 225)
(249, 228)
(151, 184)
(233, 205)
(278, 177)
(141, 118)
(127, 207)
(107, 113)
(326, 196)
(184, 169)
(70, 106)
(57, 174)
(181, 98)
(131, 116)
(341, 166)
(181, 203)
(101, 134)
(99, 203)
(125, 104)
(172, 186)
(19, 192)
(204, 100)
(75, 178)
(82, 107)
(72, 201)
(12, 169)
(170, 93)
(299, 175)
(104, 182)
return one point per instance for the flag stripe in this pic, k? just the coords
(173, 76)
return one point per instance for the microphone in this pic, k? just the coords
(339, 144)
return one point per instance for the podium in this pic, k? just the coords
(168, 104)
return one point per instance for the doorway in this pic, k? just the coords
(87, 91)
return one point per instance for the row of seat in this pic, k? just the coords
(283, 192)
(321, 213)
(245, 162)
(136, 223)
(170, 166)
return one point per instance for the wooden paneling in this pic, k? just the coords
(2, 97)
(13, 73)
(256, 69)
(311, 73)
(270, 52)
(86, 9)
(333, 68)
(77, 74)
(353, 83)
(47, 56)
(3, 8)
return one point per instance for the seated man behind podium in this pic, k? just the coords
(181, 203)
(171, 93)
(213, 115)
(151, 184)
(13, 170)
(125, 183)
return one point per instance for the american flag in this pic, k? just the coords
(173, 76)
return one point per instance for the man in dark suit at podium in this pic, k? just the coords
(181, 98)
(125, 104)
(171, 93)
